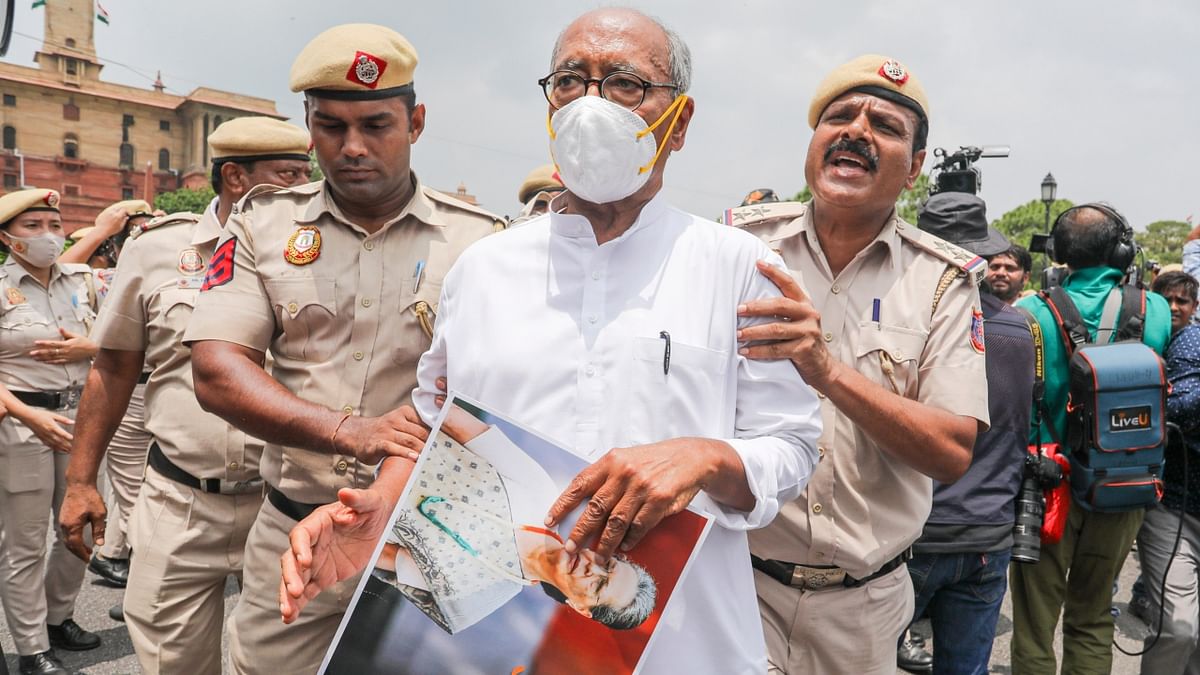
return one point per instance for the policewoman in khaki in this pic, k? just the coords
(339, 280)
(888, 330)
(202, 487)
(46, 311)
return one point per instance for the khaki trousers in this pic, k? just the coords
(126, 460)
(846, 630)
(188, 542)
(259, 642)
(1074, 578)
(35, 590)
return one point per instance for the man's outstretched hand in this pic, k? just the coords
(332, 544)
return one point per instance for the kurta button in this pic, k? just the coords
(816, 508)
(369, 245)
(358, 356)
(233, 466)
(348, 409)
(342, 466)
(293, 307)
(821, 452)
(829, 337)
(590, 371)
(366, 302)
(836, 289)
(591, 318)
(820, 396)
(595, 276)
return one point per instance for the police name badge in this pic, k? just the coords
(304, 246)
(14, 296)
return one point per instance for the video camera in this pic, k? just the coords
(957, 172)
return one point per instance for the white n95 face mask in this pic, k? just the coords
(39, 251)
(604, 152)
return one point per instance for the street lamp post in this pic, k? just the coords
(1049, 193)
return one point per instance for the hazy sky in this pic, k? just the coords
(1103, 94)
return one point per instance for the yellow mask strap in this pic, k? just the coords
(677, 106)
(550, 127)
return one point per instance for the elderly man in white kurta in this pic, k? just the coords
(610, 325)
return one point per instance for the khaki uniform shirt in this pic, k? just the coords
(147, 309)
(29, 312)
(862, 506)
(347, 328)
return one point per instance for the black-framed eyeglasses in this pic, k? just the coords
(623, 88)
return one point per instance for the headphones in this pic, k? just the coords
(1123, 250)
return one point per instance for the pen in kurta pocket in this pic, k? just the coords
(666, 351)
(875, 310)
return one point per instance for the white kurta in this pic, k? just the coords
(566, 337)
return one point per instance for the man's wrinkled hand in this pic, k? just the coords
(82, 506)
(399, 433)
(332, 544)
(797, 336)
(631, 490)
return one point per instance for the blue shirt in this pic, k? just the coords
(1183, 408)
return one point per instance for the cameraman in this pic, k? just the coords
(1175, 651)
(959, 565)
(1079, 570)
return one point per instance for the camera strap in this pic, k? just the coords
(1039, 378)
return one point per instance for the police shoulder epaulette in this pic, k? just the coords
(76, 268)
(968, 264)
(162, 221)
(755, 214)
(497, 222)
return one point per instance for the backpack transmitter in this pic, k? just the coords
(1116, 409)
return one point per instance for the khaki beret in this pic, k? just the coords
(874, 74)
(258, 138)
(355, 61)
(81, 232)
(14, 204)
(135, 207)
(542, 178)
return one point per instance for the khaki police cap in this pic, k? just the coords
(873, 74)
(82, 232)
(258, 138)
(355, 61)
(135, 207)
(14, 204)
(542, 178)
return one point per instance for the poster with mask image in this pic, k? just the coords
(468, 579)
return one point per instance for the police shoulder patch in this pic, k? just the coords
(220, 266)
(755, 214)
(181, 218)
(972, 266)
(977, 342)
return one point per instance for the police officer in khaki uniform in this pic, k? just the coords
(126, 458)
(539, 187)
(202, 488)
(41, 376)
(890, 334)
(339, 279)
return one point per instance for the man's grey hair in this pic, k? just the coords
(679, 57)
(638, 609)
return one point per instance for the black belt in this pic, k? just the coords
(51, 400)
(817, 578)
(144, 377)
(214, 486)
(292, 509)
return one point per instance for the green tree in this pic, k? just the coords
(1021, 223)
(185, 199)
(317, 173)
(803, 195)
(1163, 240)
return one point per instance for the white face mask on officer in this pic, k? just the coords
(604, 152)
(39, 251)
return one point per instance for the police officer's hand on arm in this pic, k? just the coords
(109, 387)
(108, 223)
(935, 442)
(231, 383)
(630, 490)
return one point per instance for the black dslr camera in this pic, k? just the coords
(1041, 473)
(957, 172)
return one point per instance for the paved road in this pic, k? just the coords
(115, 656)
